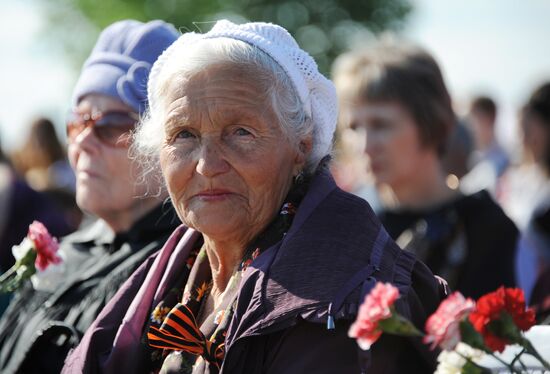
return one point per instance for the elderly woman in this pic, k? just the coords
(276, 259)
(397, 101)
(46, 319)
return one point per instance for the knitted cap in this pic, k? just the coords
(316, 92)
(121, 60)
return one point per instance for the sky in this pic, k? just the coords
(34, 80)
(495, 47)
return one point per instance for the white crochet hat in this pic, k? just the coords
(316, 92)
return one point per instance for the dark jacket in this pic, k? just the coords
(320, 268)
(469, 241)
(39, 327)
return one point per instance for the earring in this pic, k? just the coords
(299, 178)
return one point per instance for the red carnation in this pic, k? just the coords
(46, 246)
(491, 310)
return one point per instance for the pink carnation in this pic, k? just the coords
(443, 327)
(376, 307)
(46, 246)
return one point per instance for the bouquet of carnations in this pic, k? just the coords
(36, 258)
(466, 331)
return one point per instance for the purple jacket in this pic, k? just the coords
(289, 296)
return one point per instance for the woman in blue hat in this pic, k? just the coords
(45, 320)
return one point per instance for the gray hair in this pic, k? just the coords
(183, 63)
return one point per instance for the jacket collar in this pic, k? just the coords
(329, 241)
(145, 234)
(158, 221)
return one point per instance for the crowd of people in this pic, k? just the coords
(224, 207)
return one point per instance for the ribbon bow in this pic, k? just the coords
(180, 331)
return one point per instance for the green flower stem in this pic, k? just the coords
(12, 279)
(399, 325)
(509, 366)
(517, 359)
(522, 365)
(28, 259)
(7, 280)
(525, 343)
(7, 274)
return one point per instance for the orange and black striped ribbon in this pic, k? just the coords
(180, 331)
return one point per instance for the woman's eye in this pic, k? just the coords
(242, 132)
(381, 126)
(185, 134)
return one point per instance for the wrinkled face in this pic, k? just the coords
(227, 164)
(392, 141)
(105, 181)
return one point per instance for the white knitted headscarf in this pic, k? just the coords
(316, 92)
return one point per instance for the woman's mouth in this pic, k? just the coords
(213, 195)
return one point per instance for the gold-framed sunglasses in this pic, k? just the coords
(110, 128)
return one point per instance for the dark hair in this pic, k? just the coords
(485, 105)
(2, 155)
(539, 106)
(459, 148)
(41, 149)
(391, 71)
(539, 103)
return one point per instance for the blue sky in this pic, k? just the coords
(498, 47)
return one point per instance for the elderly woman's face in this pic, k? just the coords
(227, 164)
(105, 183)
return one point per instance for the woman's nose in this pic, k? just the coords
(371, 143)
(212, 159)
(86, 140)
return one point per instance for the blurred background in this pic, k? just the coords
(493, 47)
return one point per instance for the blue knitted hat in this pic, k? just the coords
(121, 60)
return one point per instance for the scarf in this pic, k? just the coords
(176, 340)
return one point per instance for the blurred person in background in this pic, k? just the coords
(47, 319)
(489, 160)
(531, 187)
(20, 205)
(537, 240)
(458, 151)
(399, 101)
(42, 161)
(350, 166)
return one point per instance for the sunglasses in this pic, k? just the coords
(110, 128)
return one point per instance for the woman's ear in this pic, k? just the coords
(304, 149)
